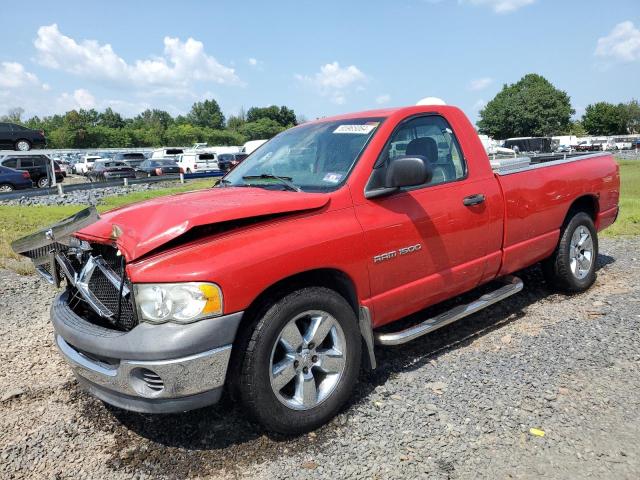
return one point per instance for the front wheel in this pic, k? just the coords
(572, 266)
(301, 362)
(43, 182)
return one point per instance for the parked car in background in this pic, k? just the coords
(132, 159)
(587, 146)
(104, 170)
(158, 166)
(227, 161)
(65, 166)
(161, 153)
(36, 165)
(17, 137)
(12, 179)
(85, 164)
(191, 162)
(623, 143)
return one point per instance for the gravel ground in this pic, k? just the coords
(459, 403)
(88, 197)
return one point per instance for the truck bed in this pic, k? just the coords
(538, 194)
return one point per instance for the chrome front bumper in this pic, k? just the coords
(155, 379)
(152, 368)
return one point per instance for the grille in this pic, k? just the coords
(108, 293)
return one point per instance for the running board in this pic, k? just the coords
(512, 286)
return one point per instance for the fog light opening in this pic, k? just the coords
(147, 382)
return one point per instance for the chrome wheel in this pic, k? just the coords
(23, 146)
(6, 188)
(307, 360)
(581, 252)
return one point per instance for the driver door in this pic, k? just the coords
(423, 243)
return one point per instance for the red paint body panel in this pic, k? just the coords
(460, 247)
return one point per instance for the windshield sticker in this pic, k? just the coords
(357, 129)
(332, 177)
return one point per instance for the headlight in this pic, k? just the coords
(177, 302)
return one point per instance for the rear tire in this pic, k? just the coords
(322, 362)
(572, 266)
(42, 182)
(6, 187)
(23, 145)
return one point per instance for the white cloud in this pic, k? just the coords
(383, 99)
(80, 98)
(622, 44)
(181, 64)
(14, 75)
(253, 62)
(480, 84)
(501, 6)
(335, 81)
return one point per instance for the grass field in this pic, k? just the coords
(16, 222)
(628, 222)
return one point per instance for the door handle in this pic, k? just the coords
(471, 200)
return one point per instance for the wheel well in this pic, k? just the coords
(587, 204)
(325, 277)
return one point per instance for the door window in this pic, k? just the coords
(430, 137)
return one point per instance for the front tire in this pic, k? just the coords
(42, 182)
(572, 266)
(301, 361)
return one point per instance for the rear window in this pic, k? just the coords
(165, 162)
(225, 157)
(173, 151)
(132, 156)
(10, 162)
(207, 156)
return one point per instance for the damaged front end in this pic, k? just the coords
(95, 273)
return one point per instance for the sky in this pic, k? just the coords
(318, 57)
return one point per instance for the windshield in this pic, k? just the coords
(315, 157)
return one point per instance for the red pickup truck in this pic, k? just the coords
(276, 283)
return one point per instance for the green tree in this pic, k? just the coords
(576, 128)
(206, 114)
(282, 115)
(14, 115)
(111, 119)
(262, 129)
(604, 118)
(155, 118)
(530, 107)
(633, 116)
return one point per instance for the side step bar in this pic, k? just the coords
(512, 286)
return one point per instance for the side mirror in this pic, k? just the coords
(408, 171)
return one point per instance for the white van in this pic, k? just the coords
(192, 162)
(252, 145)
(167, 153)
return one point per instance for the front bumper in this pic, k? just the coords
(152, 368)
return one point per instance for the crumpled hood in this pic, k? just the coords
(143, 227)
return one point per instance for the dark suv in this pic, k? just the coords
(36, 165)
(17, 137)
